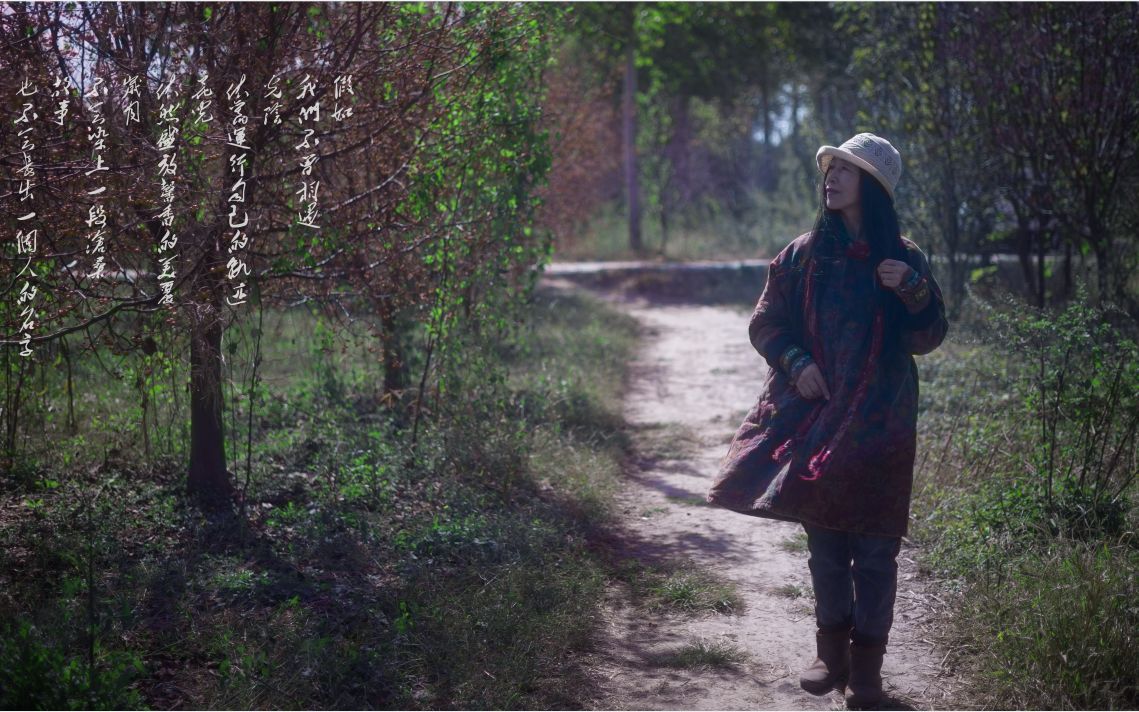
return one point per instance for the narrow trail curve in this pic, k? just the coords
(692, 383)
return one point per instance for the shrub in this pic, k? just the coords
(37, 674)
(1027, 504)
(1079, 387)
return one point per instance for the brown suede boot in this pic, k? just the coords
(830, 669)
(865, 685)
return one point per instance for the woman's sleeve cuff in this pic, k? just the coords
(915, 293)
(794, 360)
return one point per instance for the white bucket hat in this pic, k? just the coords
(873, 154)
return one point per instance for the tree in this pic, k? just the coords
(927, 107)
(711, 78)
(405, 175)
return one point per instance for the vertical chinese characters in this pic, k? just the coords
(167, 171)
(97, 213)
(342, 86)
(130, 100)
(26, 239)
(61, 98)
(273, 110)
(309, 191)
(236, 268)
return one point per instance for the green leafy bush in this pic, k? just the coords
(1025, 500)
(1080, 391)
(38, 674)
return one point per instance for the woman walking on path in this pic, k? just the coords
(831, 441)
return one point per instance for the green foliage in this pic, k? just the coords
(368, 571)
(752, 224)
(487, 145)
(1066, 462)
(1025, 500)
(39, 674)
(967, 106)
(720, 135)
(1083, 394)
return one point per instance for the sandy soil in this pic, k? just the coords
(693, 381)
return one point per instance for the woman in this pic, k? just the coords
(830, 443)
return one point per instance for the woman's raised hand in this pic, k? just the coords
(811, 383)
(892, 273)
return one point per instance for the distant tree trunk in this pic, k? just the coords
(1103, 265)
(951, 229)
(1024, 256)
(806, 158)
(208, 479)
(629, 123)
(677, 190)
(1067, 269)
(392, 354)
(1024, 251)
(13, 399)
(1101, 246)
(768, 175)
(957, 265)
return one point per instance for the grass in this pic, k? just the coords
(702, 655)
(365, 573)
(683, 590)
(795, 544)
(693, 592)
(789, 590)
(606, 237)
(1045, 576)
(1055, 629)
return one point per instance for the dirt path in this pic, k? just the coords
(693, 381)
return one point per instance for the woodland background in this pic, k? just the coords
(400, 450)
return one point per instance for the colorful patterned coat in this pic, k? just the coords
(845, 463)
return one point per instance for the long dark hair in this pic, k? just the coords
(879, 227)
(879, 218)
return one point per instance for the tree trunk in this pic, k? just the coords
(1102, 266)
(952, 228)
(629, 124)
(806, 158)
(392, 350)
(1067, 269)
(1024, 256)
(13, 399)
(1024, 251)
(208, 479)
(768, 175)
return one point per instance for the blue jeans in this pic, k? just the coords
(855, 577)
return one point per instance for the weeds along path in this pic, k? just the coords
(694, 380)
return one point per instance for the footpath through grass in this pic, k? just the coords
(1025, 504)
(363, 574)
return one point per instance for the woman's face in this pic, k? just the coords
(841, 185)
